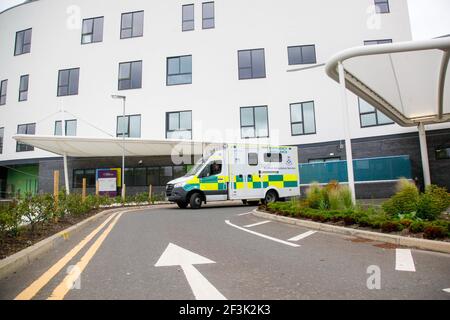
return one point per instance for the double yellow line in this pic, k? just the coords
(63, 288)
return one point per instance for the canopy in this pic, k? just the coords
(113, 147)
(407, 81)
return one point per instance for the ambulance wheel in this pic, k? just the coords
(245, 202)
(182, 205)
(196, 201)
(271, 197)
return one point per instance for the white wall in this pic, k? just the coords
(216, 95)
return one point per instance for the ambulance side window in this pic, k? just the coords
(252, 159)
(213, 169)
(273, 157)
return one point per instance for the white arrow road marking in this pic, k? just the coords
(262, 235)
(302, 236)
(256, 224)
(446, 290)
(404, 260)
(201, 287)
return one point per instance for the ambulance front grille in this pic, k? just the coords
(169, 190)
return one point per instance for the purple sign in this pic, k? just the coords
(107, 180)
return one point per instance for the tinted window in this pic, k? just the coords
(375, 42)
(179, 70)
(23, 88)
(303, 118)
(88, 174)
(302, 55)
(370, 116)
(254, 122)
(25, 129)
(251, 64)
(68, 82)
(3, 90)
(273, 157)
(208, 15)
(132, 25)
(130, 126)
(179, 125)
(92, 30)
(382, 6)
(253, 159)
(188, 17)
(441, 153)
(2, 135)
(23, 42)
(130, 75)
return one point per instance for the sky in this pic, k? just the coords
(429, 18)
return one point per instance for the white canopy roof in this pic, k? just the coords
(113, 147)
(407, 81)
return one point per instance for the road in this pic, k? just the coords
(221, 252)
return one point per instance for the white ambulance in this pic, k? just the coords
(239, 172)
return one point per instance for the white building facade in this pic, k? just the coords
(224, 70)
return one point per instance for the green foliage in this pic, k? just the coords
(346, 197)
(314, 196)
(331, 197)
(404, 201)
(432, 203)
(417, 227)
(435, 232)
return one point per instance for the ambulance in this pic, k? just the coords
(252, 174)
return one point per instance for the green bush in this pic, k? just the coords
(432, 203)
(391, 226)
(417, 227)
(347, 197)
(314, 196)
(404, 201)
(435, 232)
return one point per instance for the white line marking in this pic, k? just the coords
(262, 235)
(404, 260)
(201, 287)
(243, 214)
(302, 236)
(446, 290)
(256, 224)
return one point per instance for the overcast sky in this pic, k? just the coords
(429, 18)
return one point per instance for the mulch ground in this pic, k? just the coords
(26, 238)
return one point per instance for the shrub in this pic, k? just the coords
(417, 227)
(314, 196)
(404, 201)
(334, 199)
(435, 232)
(432, 203)
(391, 226)
(346, 196)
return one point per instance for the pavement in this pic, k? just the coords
(223, 252)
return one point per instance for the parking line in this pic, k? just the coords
(256, 224)
(37, 285)
(243, 214)
(404, 260)
(446, 290)
(302, 236)
(262, 235)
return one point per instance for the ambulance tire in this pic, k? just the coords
(271, 197)
(182, 204)
(196, 201)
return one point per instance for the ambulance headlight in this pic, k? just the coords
(180, 185)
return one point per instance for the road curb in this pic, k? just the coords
(423, 244)
(22, 258)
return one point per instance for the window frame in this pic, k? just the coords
(27, 87)
(254, 122)
(178, 74)
(251, 64)
(132, 23)
(213, 17)
(303, 118)
(371, 112)
(75, 186)
(23, 42)
(301, 52)
(2, 138)
(3, 96)
(92, 31)
(130, 75)
(65, 128)
(127, 134)
(70, 70)
(437, 153)
(376, 42)
(377, 8)
(27, 147)
(183, 20)
(179, 123)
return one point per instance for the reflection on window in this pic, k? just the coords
(252, 64)
(129, 127)
(179, 125)
(303, 119)
(254, 122)
(370, 117)
(179, 70)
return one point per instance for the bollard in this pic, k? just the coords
(83, 193)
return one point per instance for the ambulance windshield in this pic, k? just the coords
(196, 168)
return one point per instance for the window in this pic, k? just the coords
(166, 175)
(153, 176)
(213, 169)
(70, 128)
(3, 89)
(370, 117)
(252, 159)
(303, 120)
(179, 125)
(132, 25)
(136, 177)
(25, 129)
(188, 17)
(92, 30)
(252, 64)
(208, 15)
(130, 126)
(382, 6)
(23, 88)
(130, 75)
(375, 42)
(68, 82)
(441, 153)
(179, 70)
(302, 55)
(23, 42)
(2, 135)
(254, 122)
(79, 174)
(324, 160)
(273, 157)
